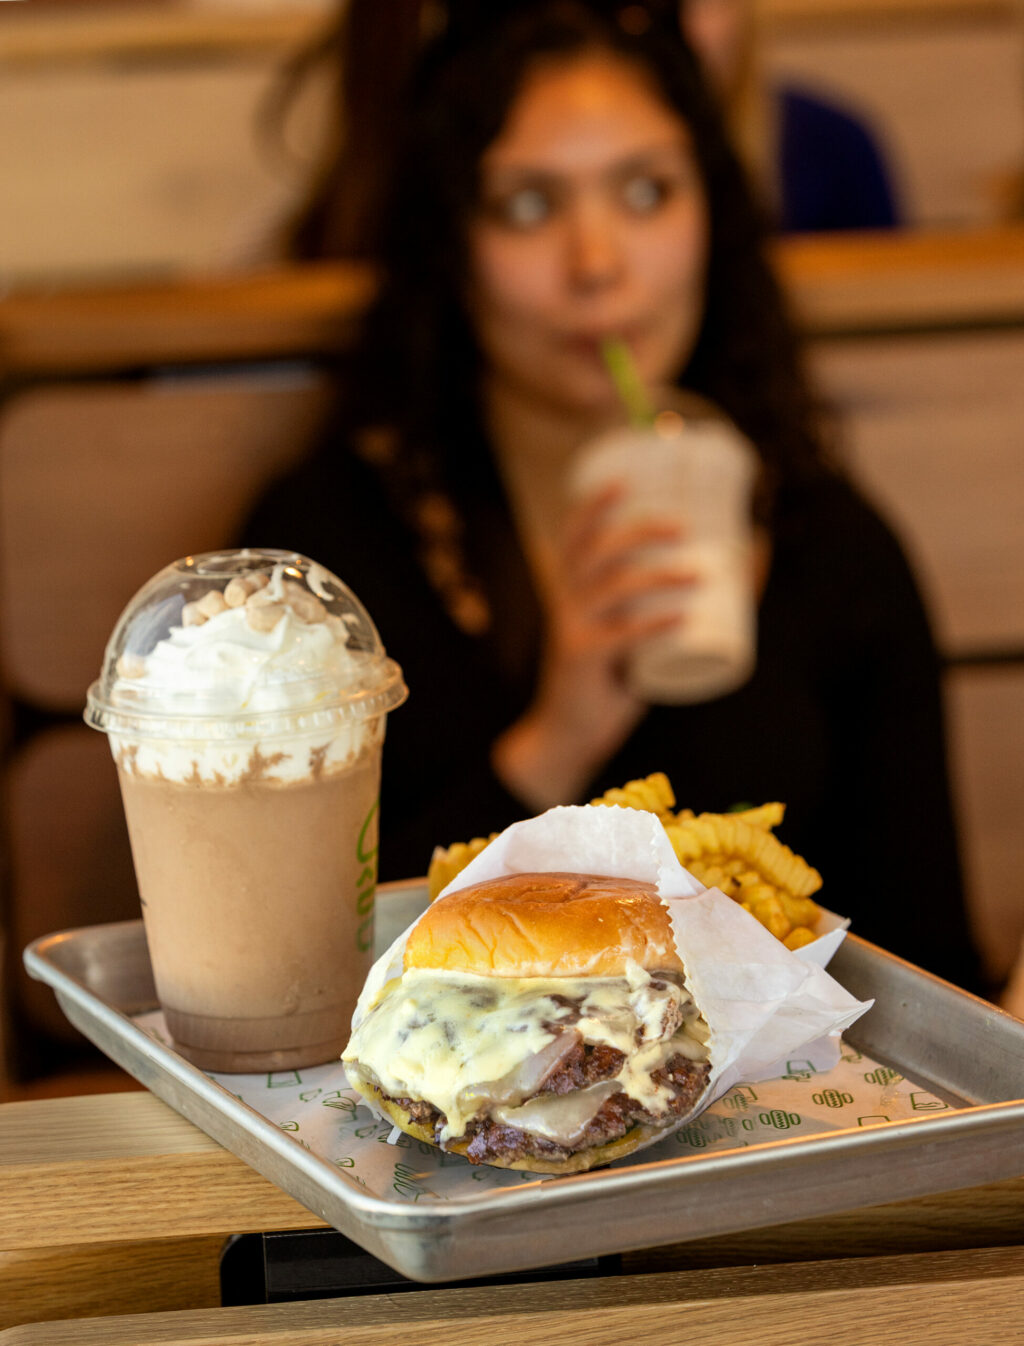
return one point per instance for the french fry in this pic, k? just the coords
(768, 815)
(798, 937)
(653, 794)
(448, 861)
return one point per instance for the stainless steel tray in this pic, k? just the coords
(940, 1105)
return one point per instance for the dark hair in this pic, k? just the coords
(418, 361)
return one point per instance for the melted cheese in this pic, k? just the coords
(443, 1037)
(559, 1117)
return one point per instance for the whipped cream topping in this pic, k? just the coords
(225, 667)
(256, 648)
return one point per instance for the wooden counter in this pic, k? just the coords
(905, 281)
(114, 1205)
(278, 315)
(847, 284)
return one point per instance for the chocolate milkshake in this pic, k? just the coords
(245, 697)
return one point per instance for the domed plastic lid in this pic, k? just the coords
(251, 643)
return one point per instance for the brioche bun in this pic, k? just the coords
(546, 925)
(592, 1157)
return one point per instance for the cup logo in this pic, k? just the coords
(366, 884)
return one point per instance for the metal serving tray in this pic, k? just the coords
(929, 1097)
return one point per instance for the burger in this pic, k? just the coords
(540, 1022)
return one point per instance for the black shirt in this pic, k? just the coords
(841, 720)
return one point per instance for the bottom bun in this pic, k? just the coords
(580, 1162)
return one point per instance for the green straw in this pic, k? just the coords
(619, 362)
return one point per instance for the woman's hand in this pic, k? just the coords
(583, 710)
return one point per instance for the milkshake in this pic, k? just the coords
(245, 696)
(692, 464)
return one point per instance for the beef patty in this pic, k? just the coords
(490, 1140)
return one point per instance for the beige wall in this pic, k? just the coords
(935, 429)
(946, 97)
(130, 143)
(130, 147)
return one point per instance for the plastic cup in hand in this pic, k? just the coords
(245, 695)
(689, 463)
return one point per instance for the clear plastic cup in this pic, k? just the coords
(245, 695)
(693, 464)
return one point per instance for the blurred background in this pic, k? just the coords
(159, 363)
(131, 145)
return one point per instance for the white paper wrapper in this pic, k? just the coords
(762, 1002)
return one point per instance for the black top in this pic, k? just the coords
(841, 720)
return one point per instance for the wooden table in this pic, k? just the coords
(113, 1212)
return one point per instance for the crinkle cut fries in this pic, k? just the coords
(736, 852)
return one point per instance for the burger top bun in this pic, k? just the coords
(546, 925)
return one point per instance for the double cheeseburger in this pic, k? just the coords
(541, 1022)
